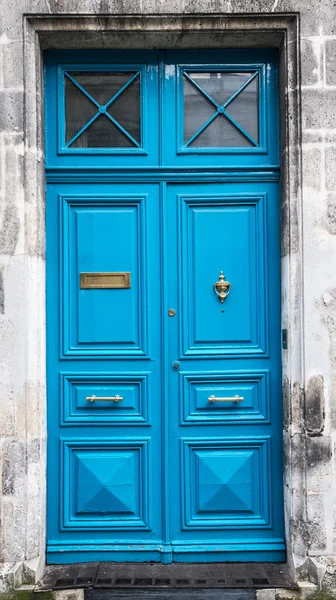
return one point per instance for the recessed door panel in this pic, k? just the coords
(91, 399)
(223, 234)
(225, 397)
(105, 266)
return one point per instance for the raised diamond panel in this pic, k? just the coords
(105, 484)
(225, 483)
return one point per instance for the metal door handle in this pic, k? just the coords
(226, 399)
(104, 398)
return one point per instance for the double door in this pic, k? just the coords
(164, 366)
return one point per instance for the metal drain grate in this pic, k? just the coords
(155, 576)
(185, 594)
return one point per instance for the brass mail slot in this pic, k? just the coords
(103, 281)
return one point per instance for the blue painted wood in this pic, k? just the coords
(181, 63)
(164, 475)
(58, 66)
(229, 488)
(104, 458)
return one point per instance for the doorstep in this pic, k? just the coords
(154, 576)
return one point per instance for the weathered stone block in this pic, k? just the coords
(314, 405)
(330, 136)
(312, 137)
(330, 220)
(316, 16)
(312, 167)
(316, 524)
(12, 64)
(9, 229)
(7, 412)
(13, 529)
(125, 7)
(69, 595)
(311, 54)
(298, 451)
(11, 113)
(211, 6)
(266, 594)
(14, 468)
(319, 463)
(330, 61)
(330, 167)
(318, 109)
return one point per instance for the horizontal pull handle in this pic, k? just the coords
(104, 398)
(226, 399)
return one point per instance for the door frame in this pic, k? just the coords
(282, 32)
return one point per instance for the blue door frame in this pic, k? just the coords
(164, 383)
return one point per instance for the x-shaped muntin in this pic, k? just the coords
(102, 108)
(220, 108)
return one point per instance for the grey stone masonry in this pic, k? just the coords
(305, 31)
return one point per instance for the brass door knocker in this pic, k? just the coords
(222, 288)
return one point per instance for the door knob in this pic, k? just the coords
(222, 288)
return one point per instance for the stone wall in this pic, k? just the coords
(309, 273)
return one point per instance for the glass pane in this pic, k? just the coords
(197, 110)
(78, 109)
(102, 87)
(221, 134)
(221, 87)
(244, 109)
(126, 109)
(102, 134)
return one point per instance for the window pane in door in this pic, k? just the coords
(221, 109)
(102, 133)
(221, 133)
(245, 111)
(90, 95)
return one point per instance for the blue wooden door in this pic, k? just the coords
(163, 307)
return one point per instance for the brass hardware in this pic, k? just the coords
(171, 312)
(103, 281)
(226, 399)
(222, 288)
(104, 398)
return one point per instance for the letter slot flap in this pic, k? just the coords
(101, 281)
